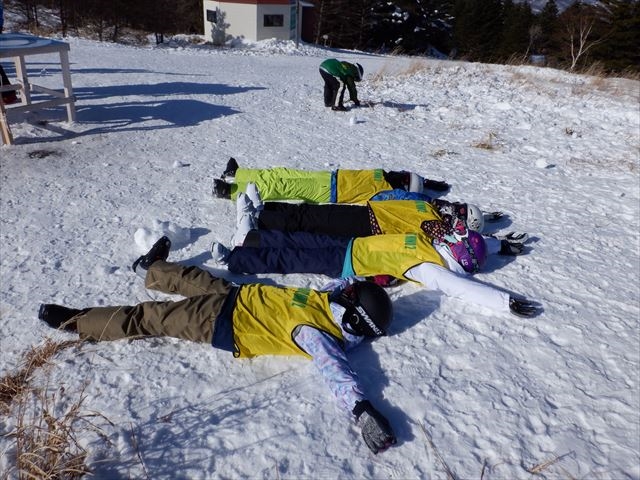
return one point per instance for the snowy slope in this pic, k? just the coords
(496, 394)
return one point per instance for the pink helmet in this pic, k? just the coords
(470, 251)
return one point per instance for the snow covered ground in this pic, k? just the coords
(496, 394)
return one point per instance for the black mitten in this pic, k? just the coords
(376, 431)
(523, 308)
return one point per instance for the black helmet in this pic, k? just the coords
(360, 72)
(368, 309)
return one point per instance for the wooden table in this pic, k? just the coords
(18, 46)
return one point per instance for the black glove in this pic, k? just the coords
(510, 248)
(356, 103)
(376, 431)
(523, 308)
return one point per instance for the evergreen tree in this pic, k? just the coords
(517, 22)
(412, 26)
(548, 23)
(620, 30)
(477, 28)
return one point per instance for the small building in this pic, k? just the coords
(253, 20)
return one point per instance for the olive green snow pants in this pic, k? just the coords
(188, 319)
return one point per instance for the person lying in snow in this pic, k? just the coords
(374, 218)
(438, 258)
(324, 186)
(250, 320)
(333, 72)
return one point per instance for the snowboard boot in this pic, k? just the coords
(254, 195)
(221, 189)
(245, 225)
(220, 253)
(159, 251)
(435, 185)
(57, 316)
(230, 171)
(244, 206)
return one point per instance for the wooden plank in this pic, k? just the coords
(5, 131)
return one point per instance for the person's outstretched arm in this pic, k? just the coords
(330, 359)
(452, 284)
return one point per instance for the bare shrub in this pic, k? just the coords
(13, 385)
(487, 144)
(45, 441)
(414, 67)
(46, 444)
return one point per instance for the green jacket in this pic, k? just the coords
(344, 71)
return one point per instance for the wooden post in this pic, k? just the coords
(7, 138)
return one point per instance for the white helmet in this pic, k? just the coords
(475, 218)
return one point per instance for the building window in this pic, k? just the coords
(212, 16)
(273, 20)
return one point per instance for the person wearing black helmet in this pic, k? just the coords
(250, 320)
(333, 72)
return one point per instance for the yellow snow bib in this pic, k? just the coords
(358, 186)
(402, 216)
(264, 318)
(392, 254)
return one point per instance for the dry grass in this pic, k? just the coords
(14, 385)
(450, 475)
(543, 468)
(46, 445)
(488, 143)
(45, 440)
(414, 67)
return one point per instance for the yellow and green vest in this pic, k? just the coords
(358, 186)
(264, 318)
(390, 255)
(402, 216)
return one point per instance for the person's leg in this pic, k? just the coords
(278, 239)
(328, 261)
(189, 319)
(331, 87)
(281, 183)
(331, 219)
(192, 281)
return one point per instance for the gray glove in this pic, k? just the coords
(376, 431)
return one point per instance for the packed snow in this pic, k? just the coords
(489, 395)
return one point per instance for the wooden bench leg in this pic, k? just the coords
(7, 138)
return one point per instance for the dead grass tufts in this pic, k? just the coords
(541, 467)
(46, 446)
(14, 385)
(450, 475)
(45, 435)
(414, 67)
(488, 144)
